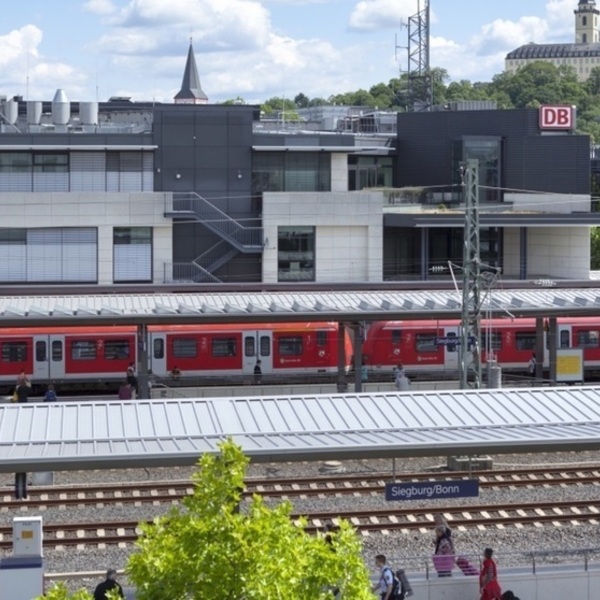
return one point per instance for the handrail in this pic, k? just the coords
(215, 219)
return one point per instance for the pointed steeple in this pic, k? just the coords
(191, 90)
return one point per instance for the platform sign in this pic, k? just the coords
(430, 490)
(569, 365)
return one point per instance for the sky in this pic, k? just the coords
(254, 49)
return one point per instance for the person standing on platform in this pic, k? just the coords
(443, 557)
(110, 583)
(388, 585)
(401, 381)
(50, 395)
(23, 390)
(488, 578)
(257, 373)
(531, 366)
(132, 381)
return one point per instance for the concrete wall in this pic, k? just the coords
(550, 203)
(104, 211)
(349, 232)
(339, 172)
(561, 252)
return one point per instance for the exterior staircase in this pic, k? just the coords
(235, 238)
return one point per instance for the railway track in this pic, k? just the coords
(389, 519)
(405, 520)
(291, 487)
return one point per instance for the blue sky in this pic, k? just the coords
(254, 49)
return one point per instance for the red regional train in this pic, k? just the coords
(93, 355)
(510, 341)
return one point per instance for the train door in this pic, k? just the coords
(451, 350)
(41, 359)
(258, 345)
(56, 356)
(158, 353)
(265, 350)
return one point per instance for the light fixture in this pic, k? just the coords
(177, 175)
(239, 174)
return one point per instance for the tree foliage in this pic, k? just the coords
(210, 550)
(60, 592)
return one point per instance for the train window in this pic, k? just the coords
(565, 339)
(40, 352)
(396, 337)
(265, 345)
(587, 339)
(450, 347)
(494, 338)
(116, 349)
(290, 345)
(249, 346)
(525, 340)
(425, 342)
(14, 351)
(83, 350)
(57, 351)
(321, 338)
(158, 348)
(185, 348)
(224, 347)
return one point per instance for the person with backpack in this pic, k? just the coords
(388, 584)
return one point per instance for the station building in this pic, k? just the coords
(190, 192)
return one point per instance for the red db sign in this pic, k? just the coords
(557, 117)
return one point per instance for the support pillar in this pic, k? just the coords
(142, 362)
(342, 384)
(552, 343)
(539, 349)
(358, 356)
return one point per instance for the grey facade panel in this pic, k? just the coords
(531, 161)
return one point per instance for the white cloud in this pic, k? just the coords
(100, 7)
(373, 15)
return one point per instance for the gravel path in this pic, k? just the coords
(511, 542)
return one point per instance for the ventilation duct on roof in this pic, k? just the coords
(61, 108)
(34, 112)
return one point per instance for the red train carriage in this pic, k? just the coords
(232, 350)
(78, 354)
(510, 341)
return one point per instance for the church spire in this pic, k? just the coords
(191, 90)
(587, 25)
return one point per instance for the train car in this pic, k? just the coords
(95, 356)
(511, 342)
(78, 354)
(233, 350)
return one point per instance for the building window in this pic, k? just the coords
(291, 172)
(222, 347)
(132, 254)
(296, 254)
(50, 163)
(584, 38)
(584, 23)
(369, 171)
(290, 345)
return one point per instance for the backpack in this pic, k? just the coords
(397, 593)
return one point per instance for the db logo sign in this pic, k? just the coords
(557, 117)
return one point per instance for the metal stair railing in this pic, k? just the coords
(189, 272)
(216, 256)
(245, 239)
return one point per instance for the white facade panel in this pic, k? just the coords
(13, 262)
(133, 262)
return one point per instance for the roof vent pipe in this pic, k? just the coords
(61, 108)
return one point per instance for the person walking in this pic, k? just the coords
(110, 583)
(388, 585)
(488, 578)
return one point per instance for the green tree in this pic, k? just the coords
(301, 100)
(595, 248)
(210, 550)
(60, 592)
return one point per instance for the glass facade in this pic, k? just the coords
(296, 254)
(488, 152)
(291, 172)
(370, 171)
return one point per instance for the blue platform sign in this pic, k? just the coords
(430, 490)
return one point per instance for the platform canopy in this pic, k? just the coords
(285, 306)
(152, 433)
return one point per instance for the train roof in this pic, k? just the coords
(148, 433)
